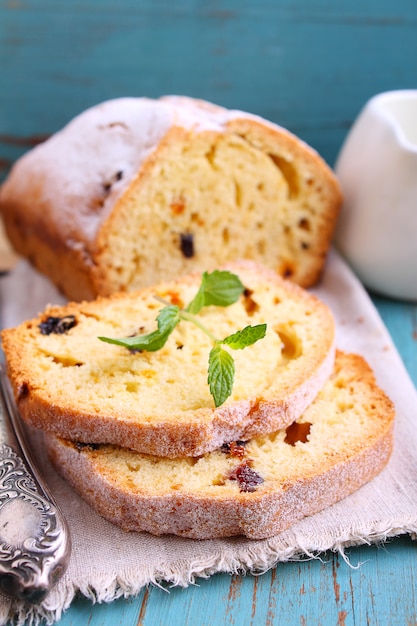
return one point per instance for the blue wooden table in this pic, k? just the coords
(309, 65)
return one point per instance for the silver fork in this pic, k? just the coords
(34, 537)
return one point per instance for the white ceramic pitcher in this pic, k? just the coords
(377, 169)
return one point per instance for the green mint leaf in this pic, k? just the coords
(220, 288)
(197, 302)
(246, 337)
(152, 342)
(221, 374)
(167, 319)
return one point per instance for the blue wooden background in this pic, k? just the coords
(309, 65)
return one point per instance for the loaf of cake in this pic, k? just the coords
(256, 487)
(67, 381)
(134, 191)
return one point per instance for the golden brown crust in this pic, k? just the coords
(349, 442)
(159, 403)
(101, 220)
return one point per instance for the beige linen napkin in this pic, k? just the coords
(108, 563)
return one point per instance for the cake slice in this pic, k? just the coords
(134, 191)
(256, 488)
(68, 382)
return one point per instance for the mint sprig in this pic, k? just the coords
(167, 319)
(221, 374)
(220, 288)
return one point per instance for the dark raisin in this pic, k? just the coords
(187, 245)
(57, 325)
(235, 448)
(248, 480)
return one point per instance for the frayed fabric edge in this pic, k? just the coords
(248, 560)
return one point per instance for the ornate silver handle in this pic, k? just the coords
(34, 538)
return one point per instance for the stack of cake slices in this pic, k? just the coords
(139, 434)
